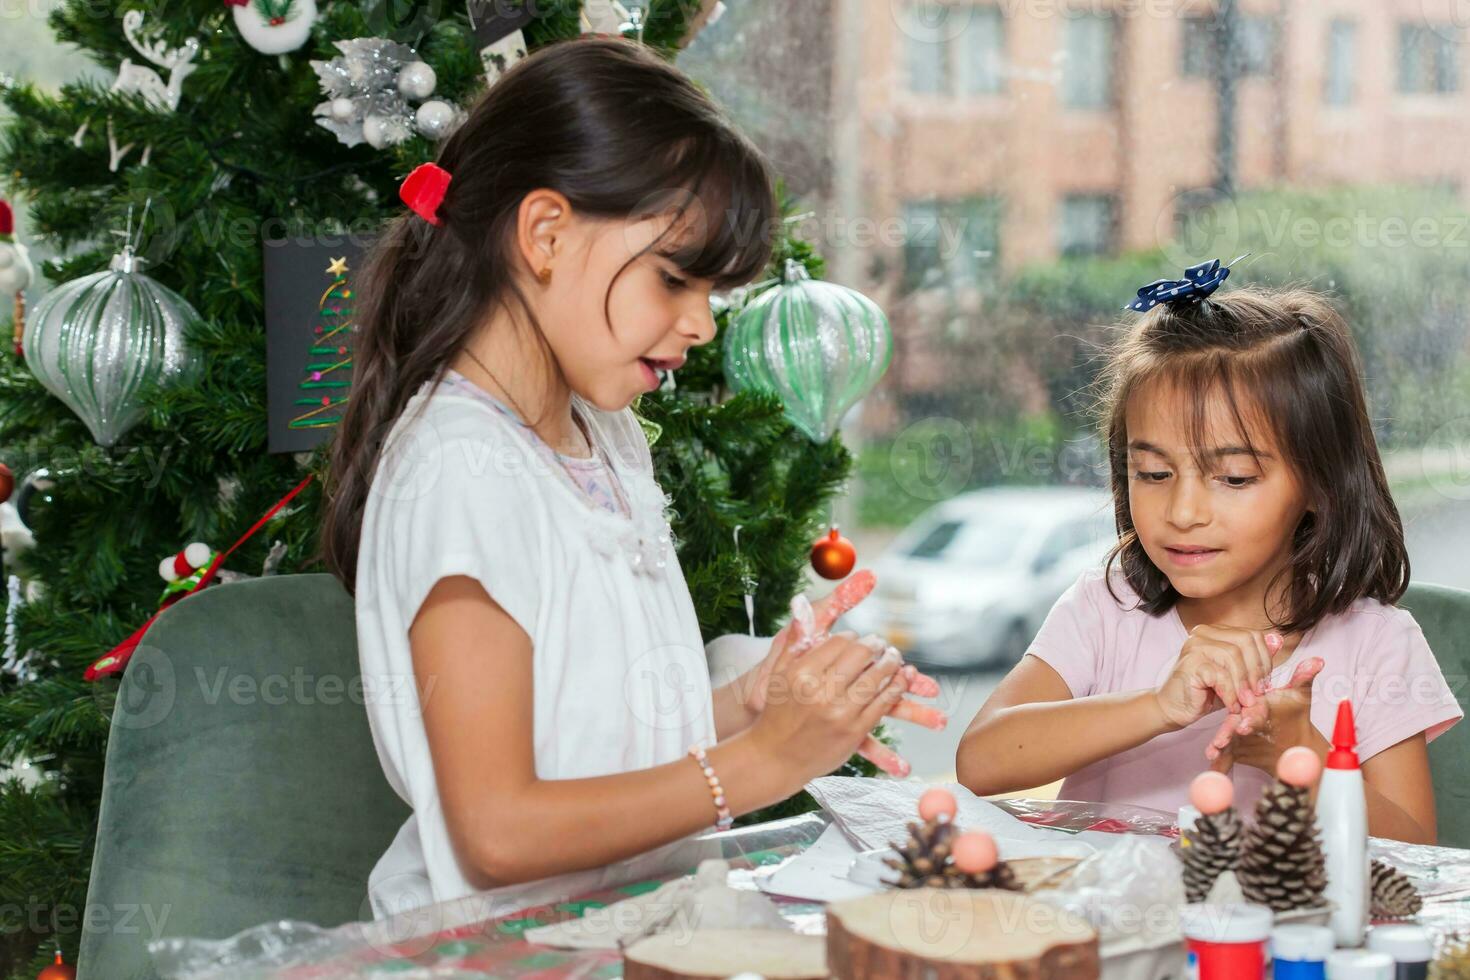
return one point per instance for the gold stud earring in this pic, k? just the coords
(544, 275)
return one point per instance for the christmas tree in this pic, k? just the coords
(229, 134)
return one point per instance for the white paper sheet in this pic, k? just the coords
(876, 812)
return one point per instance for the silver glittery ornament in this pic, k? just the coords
(435, 119)
(366, 73)
(99, 341)
(416, 80)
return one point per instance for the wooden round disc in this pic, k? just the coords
(713, 954)
(957, 934)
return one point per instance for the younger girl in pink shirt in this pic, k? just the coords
(1252, 586)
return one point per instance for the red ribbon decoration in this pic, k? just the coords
(114, 660)
(423, 190)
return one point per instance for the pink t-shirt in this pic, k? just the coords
(1375, 654)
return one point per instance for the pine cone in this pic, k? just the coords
(1453, 963)
(1394, 895)
(1214, 848)
(1281, 863)
(922, 860)
(1000, 876)
(925, 861)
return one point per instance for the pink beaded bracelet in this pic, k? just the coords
(717, 791)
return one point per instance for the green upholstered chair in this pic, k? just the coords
(1444, 615)
(241, 785)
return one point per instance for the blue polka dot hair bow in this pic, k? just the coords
(1199, 282)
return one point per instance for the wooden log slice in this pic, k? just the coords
(714, 954)
(957, 934)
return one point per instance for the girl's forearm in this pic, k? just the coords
(732, 716)
(1387, 819)
(1034, 744)
(554, 826)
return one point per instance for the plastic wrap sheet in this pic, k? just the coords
(417, 945)
(494, 947)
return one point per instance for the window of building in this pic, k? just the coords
(980, 60)
(1342, 70)
(1429, 61)
(1085, 226)
(1258, 40)
(1256, 46)
(1087, 67)
(951, 242)
(1197, 47)
(955, 49)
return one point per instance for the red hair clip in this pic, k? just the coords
(423, 190)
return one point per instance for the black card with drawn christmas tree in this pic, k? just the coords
(309, 329)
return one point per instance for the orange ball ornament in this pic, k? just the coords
(833, 556)
(937, 803)
(58, 970)
(1298, 766)
(974, 852)
(1211, 792)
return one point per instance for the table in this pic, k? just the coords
(458, 945)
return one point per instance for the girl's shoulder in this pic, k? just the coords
(1106, 588)
(1368, 619)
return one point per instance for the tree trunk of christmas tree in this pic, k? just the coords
(719, 953)
(962, 934)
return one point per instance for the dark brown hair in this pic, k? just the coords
(607, 123)
(1286, 358)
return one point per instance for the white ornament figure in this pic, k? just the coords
(134, 79)
(274, 26)
(16, 272)
(416, 80)
(343, 109)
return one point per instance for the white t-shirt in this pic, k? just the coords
(621, 679)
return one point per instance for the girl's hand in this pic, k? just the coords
(1218, 665)
(823, 701)
(824, 613)
(1258, 735)
(819, 617)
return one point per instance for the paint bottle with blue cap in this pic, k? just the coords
(1299, 952)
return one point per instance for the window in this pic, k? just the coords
(1087, 68)
(1428, 60)
(1342, 47)
(928, 48)
(1255, 47)
(1197, 50)
(955, 50)
(1257, 52)
(950, 243)
(980, 60)
(1086, 225)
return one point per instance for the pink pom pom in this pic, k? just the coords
(937, 803)
(1299, 766)
(1211, 792)
(974, 852)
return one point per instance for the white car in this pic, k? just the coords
(969, 583)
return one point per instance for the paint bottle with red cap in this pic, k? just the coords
(1342, 816)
